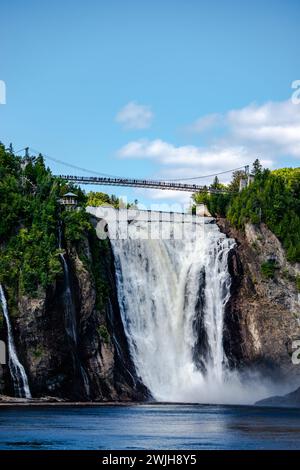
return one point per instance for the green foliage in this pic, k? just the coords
(28, 224)
(216, 184)
(217, 204)
(257, 168)
(30, 216)
(76, 225)
(77, 231)
(272, 198)
(96, 264)
(237, 175)
(103, 332)
(37, 353)
(268, 269)
(96, 199)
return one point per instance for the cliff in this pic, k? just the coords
(262, 316)
(98, 366)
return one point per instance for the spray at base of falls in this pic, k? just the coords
(70, 316)
(17, 370)
(172, 296)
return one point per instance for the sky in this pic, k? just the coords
(152, 89)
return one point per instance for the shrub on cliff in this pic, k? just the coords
(30, 214)
(268, 269)
(273, 198)
(28, 224)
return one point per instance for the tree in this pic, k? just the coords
(257, 168)
(99, 199)
(237, 176)
(216, 183)
(272, 198)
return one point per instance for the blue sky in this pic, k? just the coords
(152, 88)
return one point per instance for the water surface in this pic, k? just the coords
(149, 427)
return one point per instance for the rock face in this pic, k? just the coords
(2, 381)
(99, 366)
(262, 316)
(291, 400)
(3, 368)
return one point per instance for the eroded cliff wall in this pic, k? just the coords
(263, 315)
(54, 364)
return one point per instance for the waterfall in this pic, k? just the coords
(17, 371)
(166, 289)
(70, 311)
(70, 314)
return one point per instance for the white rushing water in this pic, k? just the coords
(17, 370)
(165, 288)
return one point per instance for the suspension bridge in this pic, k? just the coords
(138, 183)
(183, 184)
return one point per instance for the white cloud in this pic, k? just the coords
(135, 116)
(272, 127)
(186, 161)
(189, 157)
(270, 132)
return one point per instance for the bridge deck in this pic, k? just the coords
(138, 183)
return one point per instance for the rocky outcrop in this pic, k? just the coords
(263, 315)
(2, 381)
(99, 366)
(291, 400)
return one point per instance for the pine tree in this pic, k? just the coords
(216, 183)
(257, 168)
(236, 178)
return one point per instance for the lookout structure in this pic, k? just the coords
(69, 201)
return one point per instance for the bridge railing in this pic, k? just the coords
(139, 183)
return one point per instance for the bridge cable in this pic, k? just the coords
(207, 176)
(56, 160)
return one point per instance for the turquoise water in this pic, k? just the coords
(181, 427)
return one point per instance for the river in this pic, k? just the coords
(184, 427)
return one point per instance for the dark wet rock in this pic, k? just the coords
(200, 350)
